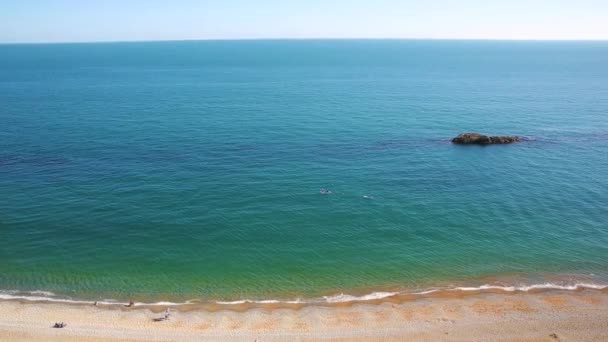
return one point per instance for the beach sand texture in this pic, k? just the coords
(545, 316)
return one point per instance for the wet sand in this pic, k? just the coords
(544, 316)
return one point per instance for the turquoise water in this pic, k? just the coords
(179, 170)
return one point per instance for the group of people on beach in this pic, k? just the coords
(131, 304)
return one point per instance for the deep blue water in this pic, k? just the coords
(194, 169)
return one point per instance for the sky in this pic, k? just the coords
(27, 21)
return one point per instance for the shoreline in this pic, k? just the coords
(576, 315)
(374, 297)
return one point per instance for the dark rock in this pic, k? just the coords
(480, 139)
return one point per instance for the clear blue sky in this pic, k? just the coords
(118, 20)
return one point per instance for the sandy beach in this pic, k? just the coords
(554, 315)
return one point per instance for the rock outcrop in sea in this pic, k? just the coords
(480, 139)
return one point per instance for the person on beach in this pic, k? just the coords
(164, 318)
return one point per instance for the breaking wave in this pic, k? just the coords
(46, 296)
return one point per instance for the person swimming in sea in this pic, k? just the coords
(325, 192)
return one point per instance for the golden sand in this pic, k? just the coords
(546, 316)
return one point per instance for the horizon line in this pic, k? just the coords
(302, 39)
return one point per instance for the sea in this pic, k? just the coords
(300, 170)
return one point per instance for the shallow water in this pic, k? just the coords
(182, 170)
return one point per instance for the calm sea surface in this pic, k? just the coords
(179, 170)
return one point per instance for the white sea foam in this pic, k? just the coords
(45, 296)
(33, 298)
(521, 288)
(341, 298)
(234, 302)
(43, 293)
(163, 303)
(266, 301)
